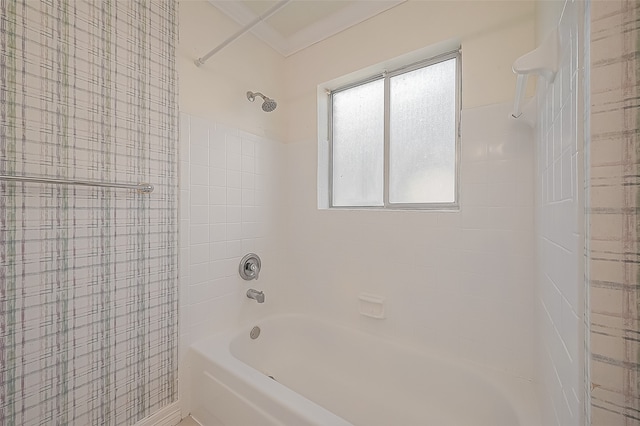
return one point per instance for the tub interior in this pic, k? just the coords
(369, 381)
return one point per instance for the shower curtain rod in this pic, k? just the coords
(241, 31)
(143, 187)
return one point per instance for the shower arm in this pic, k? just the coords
(241, 31)
(252, 96)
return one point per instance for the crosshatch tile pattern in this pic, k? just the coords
(615, 325)
(88, 276)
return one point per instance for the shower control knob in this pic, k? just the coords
(249, 267)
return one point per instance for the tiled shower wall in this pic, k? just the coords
(455, 282)
(229, 195)
(88, 275)
(615, 120)
(560, 232)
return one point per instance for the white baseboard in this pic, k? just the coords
(168, 416)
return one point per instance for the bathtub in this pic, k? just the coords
(303, 371)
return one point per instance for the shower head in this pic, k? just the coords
(267, 106)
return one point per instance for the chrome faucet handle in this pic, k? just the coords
(249, 267)
(255, 270)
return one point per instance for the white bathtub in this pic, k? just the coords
(328, 375)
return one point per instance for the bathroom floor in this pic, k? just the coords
(188, 421)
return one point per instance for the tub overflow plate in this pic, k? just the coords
(255, 332)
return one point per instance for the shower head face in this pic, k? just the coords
(269, 105)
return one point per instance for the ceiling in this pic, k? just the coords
(301, 23)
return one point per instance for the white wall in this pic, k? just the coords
(493, 34)
(456, 282)
(228, 193)
(560, 291)
(230, 176)
(230, 159)
(228, 203)
(548, 14)
(217, 89)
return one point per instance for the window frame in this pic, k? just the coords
(387, 75)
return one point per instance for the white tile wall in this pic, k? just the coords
(559, 237)
(228, 192)
(456, 282)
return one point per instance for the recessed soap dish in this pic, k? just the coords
(371, 305)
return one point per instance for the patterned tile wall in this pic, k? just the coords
(88, 276)
(615, 119)
(560, 285)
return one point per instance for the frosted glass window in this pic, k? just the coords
(358, 145)
(422, 135)
(394, 138)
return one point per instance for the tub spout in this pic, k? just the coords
(256, 295)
